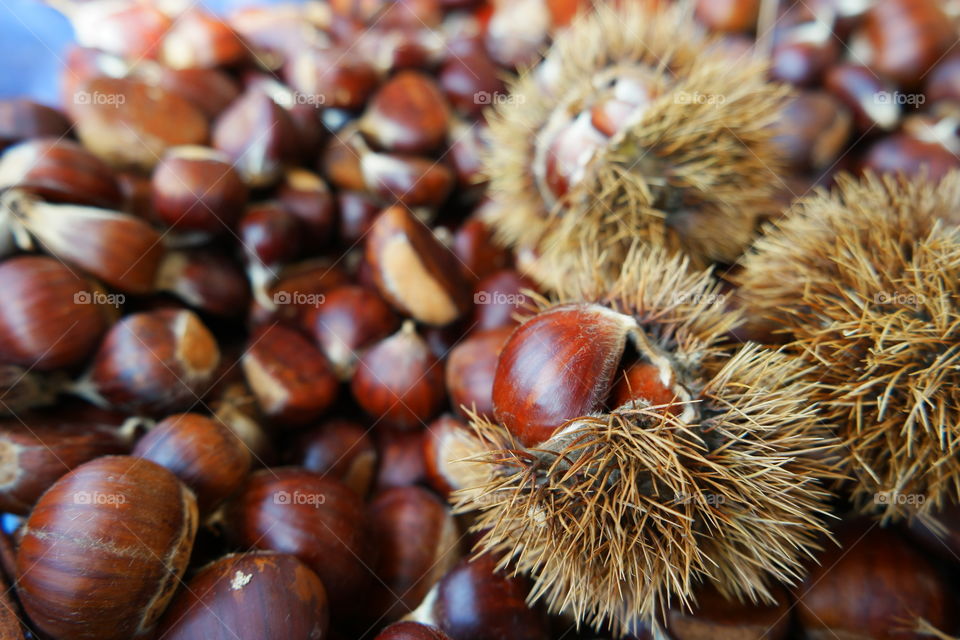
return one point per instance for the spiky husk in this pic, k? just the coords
(620, 515)
(692, 174)
(867, 281)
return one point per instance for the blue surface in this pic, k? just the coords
(33, 38)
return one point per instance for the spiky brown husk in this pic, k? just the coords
(619, 515)
(867, 279)
(691, 174)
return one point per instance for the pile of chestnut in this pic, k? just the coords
(248, 302)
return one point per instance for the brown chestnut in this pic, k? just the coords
(202, 452)
(415, 272)
(316, 519)
(878, 567)
(476, 250)
(411, 631)
(341, 449)
(259, 595)
(418, 543)
(558, 365)
(714, 616)
(401, 459)
(36, 449)
(906, 37)
(475, 602)
(349, 320)
(206, 279)
(198, 39)
(305, 195)
(901, 153)
(446, 442)
(500, 297)
(197, 189)
(470, 371)
(814, 130)
(258, 135)
(48, 319)
(399, 381)
(408, 114)
(22, 119)
(129, 123)
(157, 361)
(103, 550)
(729, 15)
(120, 249)
(289, 377)
(60, 171)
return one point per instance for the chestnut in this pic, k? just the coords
(349, 320)
(156, 361)
(319, 520)
(129, 123)
(104, 549)
(477, 252)
(209, 90)
(465, 78)
(120, 249)
(198, 39)
(407, 630)
(715, 616)
(418, 543)
(358, 210)
(132, 32)
(197, 189)
(411, 181)
(60, 170)
(500, 297)
(517, 32)
(338, 79)
(905, 38)
(473, 601)
(258, 135)
(408, 114)
(558, 364)
(22, 119)
(414, 271)
(902, 153)
(401, 459)
(870, 98)
(729, 15)
(270, 236)
(259, 595)
(877, 567)
(814, 130)
(47, 319)
(206, 279)
(202, 452)
(308, 198)
(36, 449)
(341, 449)
(399, 381)
(289, 377)
(300, 288)
(10, 626)
(446, 442)
(470, 370)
